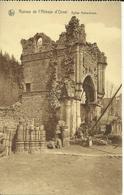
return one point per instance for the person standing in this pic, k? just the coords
(60, 131)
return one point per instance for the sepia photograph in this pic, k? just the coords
(60, 98)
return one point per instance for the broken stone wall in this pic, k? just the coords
(7, 120)
(33, 106)
(36, 73)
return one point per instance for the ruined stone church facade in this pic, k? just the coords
(63, 80)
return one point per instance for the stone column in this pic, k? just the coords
(101, 64)
(77, 71)
(73, 117)
(78, 117)
(79, 62)
(103, 79)
(68, 115)
(81, 66)
(99, 78)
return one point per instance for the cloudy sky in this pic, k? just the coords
(103, 25)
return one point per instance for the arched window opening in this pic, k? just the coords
(39, 43)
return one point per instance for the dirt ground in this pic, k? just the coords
(72, 171)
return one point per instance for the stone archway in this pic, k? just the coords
(89, 90)
(88, 100)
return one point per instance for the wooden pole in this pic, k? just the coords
(107, 107)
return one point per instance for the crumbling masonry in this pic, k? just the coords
(63, 80)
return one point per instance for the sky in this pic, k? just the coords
(102, 22)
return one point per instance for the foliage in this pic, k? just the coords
(11, 76)
(51, 86)
(10, 67)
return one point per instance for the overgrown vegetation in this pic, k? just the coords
(10, 67)
(10, 79)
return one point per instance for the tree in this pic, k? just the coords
(11, 75)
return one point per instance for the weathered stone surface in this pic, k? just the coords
(61, 76)
(62, 70)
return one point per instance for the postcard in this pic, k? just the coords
(60, 98)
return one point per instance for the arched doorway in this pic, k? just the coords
(88, 100)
